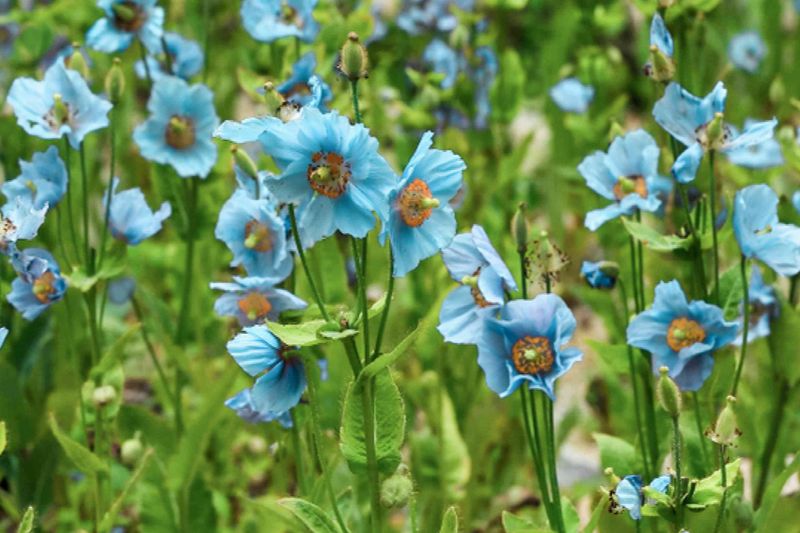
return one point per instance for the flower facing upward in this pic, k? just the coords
(699, 125)
(421, 220)
(763, 308)
(526, 345)
(474, 263)
(43, 180)
(254, 300)
(629, 494)
(61, 104)
(280, 373)
(681, 335)
(124, 21)
(130, 219)
(256, 236)
(571, 95)
(759, 233)
(332, 170)
(746, 51)
(38, 284)
(184, 61)
(628, 175)
(19, 221)
(269, 20)
(297, 88)
(178, 131)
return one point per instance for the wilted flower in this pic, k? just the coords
(571, 95)
(681, 335)
(124, 21)
(19, 221)
(746, 51)
(38, 284)
(630, 496)
(253, 300)
(763, 307)
(421, 221)
(130, 219)
(182, 58)
(43, 180)
(269, 20)
(297, 87)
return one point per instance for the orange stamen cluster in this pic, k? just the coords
(412, 203)
(328, 174)
(257, 236)
(532, 355)
(179, 132)
(684, 332)
(630, 184)
(44, 287)
(255, 306)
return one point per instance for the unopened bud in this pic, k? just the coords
(777, 90)
(77, 62)
(115, 82)
(660, 67)
(354, 61)
(519, 228)
(669, 396)
(131, 451)
(726, 431)
(613, 479)
(245, 162)
(272, 98)
(103, 395)
(397, 489)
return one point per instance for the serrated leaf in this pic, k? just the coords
(616, 453)
(83, 458)
(390, 421)
(26, 524)
(654, 240)
(783, 341)
(709, 489)
(449, 521)
(108, 518)
(314, 518)
(384, 360)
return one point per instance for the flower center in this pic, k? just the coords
(532, 355)
(684, 332)
(255, 306)
(128, 16)
(289, 15)
(180, 132)
(257, 236)
(628, 185)
(477, 295)
(328, 174)
(59, 114)
(44, 287)
(416, 203)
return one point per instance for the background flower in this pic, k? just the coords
(43, 180)
(130, 219)
(124, 21)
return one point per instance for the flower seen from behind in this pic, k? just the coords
(42, 182)
(130, 219)
(746, 50)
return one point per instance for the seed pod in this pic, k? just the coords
(77, 62)
(103, 395)
(131, 451)
(353, 58)
(726, 431)
(669, 396)
(519, 228)
(245, 162)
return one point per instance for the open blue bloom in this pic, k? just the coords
(419, 16)
(421, 221)
(526, 344)
(61, 104)
(130, 219)
(124, 21)
(681, 335)
(474, 263)
(766, 154)
(269, 20)
(43, 180)
(297, 88)
(242, 404)
(332, 170)
(759, 233)
(571, 95)
(279, 372)
(597, 276)
(178, 131)
(483, 75)
(697, 123)
(627, 175)
(19, 221)
(256, 236)
(746, 51)
(254, 300)
(442, 59)
(38, 284)
(763, 308)
(629, 494)
(185, 59)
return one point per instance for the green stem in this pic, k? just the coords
(70, 193)
(745, 326)
(634, 275)
(385, 314)
(302, 255)
(550, 436)
(112, 166)
(697, 250)
(523, 277)
(640, 269)
(361, 270)
(206, 35)
(368, 406)
(771, 443)
(650, 413)
(724, 484)
(699, 424)
(713, 201)
(533, 445)
(87, 251)
(793, 292)
(352, 355)
(676, 457)
(137, 310)
(356, 108)
(188, 267)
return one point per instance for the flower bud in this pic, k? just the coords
(777, 90)
(115, 82)
(669, 396)
(397, 489)
(613, 478)
(725, 432)
(103, 395)
(77, 62)
(244, 162)
(353, 58)
(272, 98)
(131, 451)
(660, 67)
(519, 228)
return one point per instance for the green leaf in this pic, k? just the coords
(516, 524)
(773, 493)
(115, 353)
(26, 524)
(615, 355)
(84, 459)
(709, 489)
(783, 340)
(314, 518)
(384, 360)
(449, 521)
(616, 453)
(654, 240)
(3, 439)
(731, 292)
(572, 522)
(108, 518)
(455, 464)
(303, 334)
(390, 422)
(597, 513)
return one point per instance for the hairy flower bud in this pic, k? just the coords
(397, 489)
(519, 228)
(115, 82)
(77, 62)
(272, 98)
(660, 67)
(353, 58)
(669, 396)
(245, 162)
(131, 451)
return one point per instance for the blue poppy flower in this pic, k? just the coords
(280, 373)
(759, 233)
(256, 236)
(420, 220)
(681, 335)
(19, 221)
(526, 345)
(38, 284)
(254, 300)
(629, 494)
(124, 21)
(43, 180)
(571, 95)
(762, 155)
(597, 275)
(332, 170)
(764, 308)
(419, 16)
(130, 219)
(120, 290)
(244, 407)
(178, 132)
(61, 104)
(297, 88)
(269, 20)
(442, 59)
(628, 175)
(474, 263)
(746, 51)
(692, 121)
(184, 61)
(484, 75)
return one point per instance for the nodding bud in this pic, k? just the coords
(103, 395)
(77, 62)
(726, 431)
(669, 395)
(660, 67)
(115, 82)
(131, 451)
(272, 98)
(353, 60)
(244, 162)
(397, 489)
(519, 228)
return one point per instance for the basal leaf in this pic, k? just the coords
(84, 459)
(313, 517)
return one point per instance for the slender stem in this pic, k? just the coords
(302, 255)
(713, 201)
(188, 267)
(523, 277)
(676, 457)
(352, 355)
(697, 250)
(699, 424)
(87, 251)
(143, 56)
(745, 326)
(362, 292)
(385, 314)
(533, 444)
(167, 56)
(550, 435)
(70, 194)
(137, 310)
(356, 108)
(724, 484)
(650, 413)
(640, 269)
(771, 443)
(634, 275)
(104, 234)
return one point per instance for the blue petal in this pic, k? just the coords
(685, 167)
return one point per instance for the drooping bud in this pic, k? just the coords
(245, 162)
(353, 58)
(131, 450)
(397, 489)
(726, 431)
(272, 98)
(103, 395)
(669, 396)
(115, 82)
(660, 67)
(519, 228)
(77, 62)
